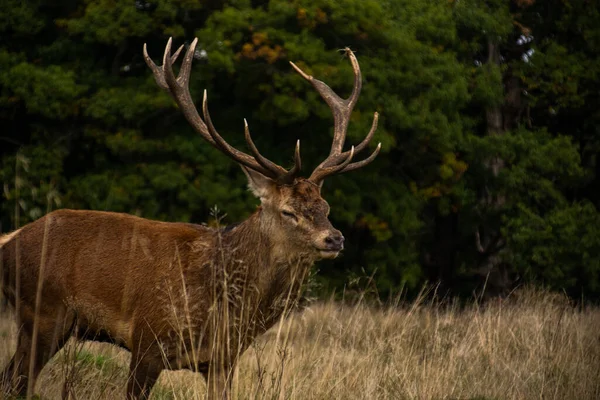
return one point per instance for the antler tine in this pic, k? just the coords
(176, 85)
(359, 164)
(297, 165)
(267, 164)
(360, 147)
(341, 109)
(178, 88)
(329, 167)
(320, 174)
(156, 71)
(239, 156)
(186, 66)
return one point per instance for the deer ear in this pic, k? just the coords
(262, 186)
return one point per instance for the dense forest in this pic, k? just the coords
(489, 121)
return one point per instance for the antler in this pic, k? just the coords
(338, 161)
(178, 88)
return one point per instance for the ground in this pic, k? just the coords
(532, 345)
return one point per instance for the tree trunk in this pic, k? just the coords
(494, 274)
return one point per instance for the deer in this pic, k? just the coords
(176, 295)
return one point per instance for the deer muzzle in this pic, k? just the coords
(331, 244)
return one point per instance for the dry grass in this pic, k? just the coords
(533, 345)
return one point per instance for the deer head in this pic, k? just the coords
(293, 212)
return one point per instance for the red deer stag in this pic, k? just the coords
(176, 295)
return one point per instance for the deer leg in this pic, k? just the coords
(20, 372)
(143, 373)
(14, 376)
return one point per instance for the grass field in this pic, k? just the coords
(533, 345)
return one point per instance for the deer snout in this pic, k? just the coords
(329, 243)
(335, 241)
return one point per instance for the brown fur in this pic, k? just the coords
(176, 295)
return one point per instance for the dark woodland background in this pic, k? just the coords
(490, 124)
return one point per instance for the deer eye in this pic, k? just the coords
(290, 215)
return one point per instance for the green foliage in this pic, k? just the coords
(490, 18)
(487, 82)
(20, 18)
(560, 248)
(48, 91)
(109, 22)
(85, 126)
(539, 167)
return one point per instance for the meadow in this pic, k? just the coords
(531, 345)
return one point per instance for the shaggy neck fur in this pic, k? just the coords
(272, 268)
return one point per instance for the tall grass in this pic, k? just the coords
(532, 345)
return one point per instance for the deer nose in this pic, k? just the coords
(335, 241)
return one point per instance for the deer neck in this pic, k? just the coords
(272, 264)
